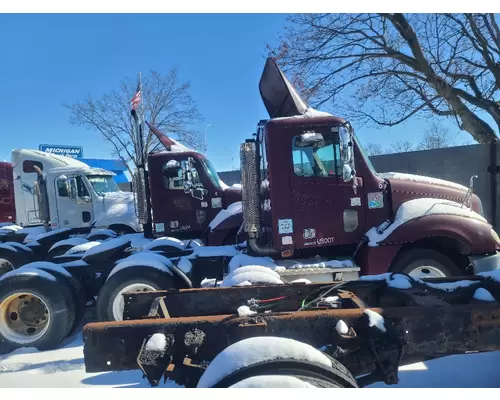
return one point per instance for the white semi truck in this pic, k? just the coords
(62, 192)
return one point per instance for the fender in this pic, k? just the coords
(217, 236)
(473, 233)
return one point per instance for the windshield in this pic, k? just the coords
(212, 174)
(103, 184)
(364, 155)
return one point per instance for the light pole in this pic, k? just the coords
(207, 126)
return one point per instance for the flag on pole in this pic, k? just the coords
(137, 97)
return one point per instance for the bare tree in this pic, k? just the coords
(167, 104)
(398, 66)
(374, 149)
(402, 146)
(435, 137)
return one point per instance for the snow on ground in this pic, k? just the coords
(65, 368)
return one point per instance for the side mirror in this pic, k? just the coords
(71, 188)
(347, 153)
(311, 137)
(199, 193)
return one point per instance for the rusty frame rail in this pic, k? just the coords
(421, 323)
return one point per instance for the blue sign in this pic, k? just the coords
(67, 151)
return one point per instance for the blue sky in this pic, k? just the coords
(48, 60)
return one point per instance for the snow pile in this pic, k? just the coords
(495, 275)
(418, 208)
(82, 247)
(331, 299)
(302, 280)
(451, 286)
(74, 241)
(10, 227)
(421, 179)
(233, 209)
(256, 350)
(342, 327)
(253, 268)
(244, 311)
(375, 319)
(214, 251)
(483, 295)
(106, 232)
(274, 382)
(244, 283)
(397, 281)
(324, 264)
(242, 260)
(208, 282)
(236, 186)
(252, 277)
(107, 245)
(157, 342)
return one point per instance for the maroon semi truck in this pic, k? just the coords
(7, 204)
(319, 195)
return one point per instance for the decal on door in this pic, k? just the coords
(376, 200)
(355, 201)
(217, 202)
(174, 224)
(286, 240)
(309, 233)
(204, 204)
(285, 226)
(160, 227)
(201, 216)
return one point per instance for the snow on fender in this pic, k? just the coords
(256, 350)
(253, 268)
(143, 259)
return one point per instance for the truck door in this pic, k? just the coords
(75, 210)
(181, 209)
(325, 208)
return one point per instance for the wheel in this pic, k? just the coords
(12, 258)
(425, 263)
(78, 297)
(110, 301)
(33, 310)
(255, 358)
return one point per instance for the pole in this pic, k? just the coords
(207, 126)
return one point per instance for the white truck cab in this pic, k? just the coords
(77, 194)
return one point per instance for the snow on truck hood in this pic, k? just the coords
(119, 208)
(397, 176)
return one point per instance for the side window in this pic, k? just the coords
(29, 164)
(317, 158)
(172, 175)
(81, 188)
(62, 190)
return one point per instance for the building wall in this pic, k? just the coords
(456, 164)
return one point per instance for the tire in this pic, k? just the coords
(145, 276)
(12, 258)
(271, 356)
(76, 290)
(439, 265)
(50, 296)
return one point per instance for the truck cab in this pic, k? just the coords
(77, 195)
(325, 198)
(187, 194)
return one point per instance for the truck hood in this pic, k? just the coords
(405, 187)
(118, 208)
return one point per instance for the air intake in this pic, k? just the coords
(250, 189)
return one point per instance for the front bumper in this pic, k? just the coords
(485, 263)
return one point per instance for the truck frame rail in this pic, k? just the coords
(389, 321)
